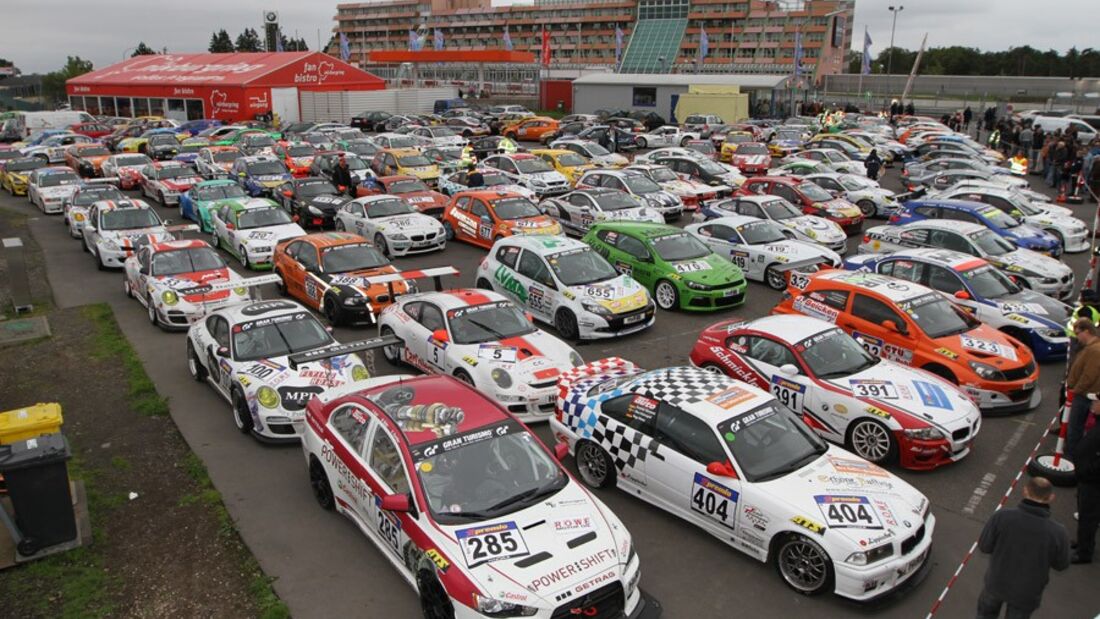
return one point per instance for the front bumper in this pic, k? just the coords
(538, 404)
(52, 206)
(260, 260)
(1061, 290)
(594, 326)
(418, 244)
(1008, 401)
(276, 425)
(711, 300)
(1076, 243)
(925, 455)
(869, 582)
(1048, 350)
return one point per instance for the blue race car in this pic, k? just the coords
(1022, 235)
(196, 203)
(260, 174)
(982, 290)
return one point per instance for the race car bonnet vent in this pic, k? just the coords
(533, 559)
(582, 540)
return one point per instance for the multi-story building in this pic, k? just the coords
(658, 36)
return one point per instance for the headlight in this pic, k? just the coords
(924, 434)
(696, 285)
(313, 210)
(110, 245)
(355, 300)
(78, 216)
(359, 372)
(595, 308)
(873, 555)
(1051, 334)
(399, 237)
(240, 291)
(575, 359)
(170, 297)
(267, 397)
(502, 378)
(986, 371)
(811, 234)
(499, 608)
(1050, 281)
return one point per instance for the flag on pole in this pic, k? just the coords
(437, 39)
(345, 50)
(545, 47)
(704, 43)
(865, 69)
(278, 41)
(412, 40)
(618, 43)
(798, 53)
(507, 39)
(916, 67)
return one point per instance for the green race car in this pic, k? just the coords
(197, 202)
(677, 268)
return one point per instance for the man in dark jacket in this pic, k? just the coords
(873, 163)
(1024, 544)
(1086, 466)
(341, 177)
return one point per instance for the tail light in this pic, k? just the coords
(866, 238)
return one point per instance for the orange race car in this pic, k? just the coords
(482, 217)
(911, 324)
(343, 276)
(530, 129)
(87, 159)
(297, 156)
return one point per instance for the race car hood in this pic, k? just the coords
(983, 344)
(270, 235)
(270, 181)
(58, 192)
(750, 160)
(688, 187)
(409, 224)
(732, 176)
(537, 357)
(622, 294)
(551, 177)
(631, 214)
(96, 160)
(182, 183)
(423, 172)
(421, 198)
(611, 159)
(1052, 209)
(917, 393)
(295, 388)
(134, 238)
(1025, 233)
(661, 199)
(301, 162)
(520, 189)
(1027, 262)
(534, 225)
(710, 270)
(1057, 220)
(794, 251)
(188, 281)
(817, 228)
(1035, 307)
(841, 207)
(327, 204)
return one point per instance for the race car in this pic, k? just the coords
(762, 249)
(691, 192)
(810, 198)
(872, 199)
(441, 136)
(395, 227)
(450, 158)
(189, 150)
(136, 144)
(831, 158)
(296, 156)
(531, 172)
(722, 177)
(245, 353)
(84, 196)
(810, 228)
(668, 135)
(568, 163)
(14, 173)
(49, 188)
(311, 201)
(751, 158)
(567, 284)
(799, 167)
(401, 141)
(87, 159)
(530, 129)
(450, 184)
(916, 326)
(987, 215)
(197, 203)
(979, 288)
(114, 230)
(482, 217)
(405, 162)
(250, 228)
(592, 151)
(638, 185)
(180, 282)
(1024, 267)
(161, 147)
(52, 149)
(343, 276)
(482, 339)
(786, 141)
(216, 161)
(677, 268)
(165, 181)
(730, 459)
(410, 189)
(260, 175)
(728, 141)
(881, 410)
(577, 210)
(468, 505)
(1057, 221)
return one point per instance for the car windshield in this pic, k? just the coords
(854, 183)
(402, 142)
(758, 232)
(738, 138)
(441, 132)
(24, 165)
(488, 322)
(258, 140)
(301, 150)
(705, 148)
(532, 166)
(406, 186)
(662, 175)
(90, 195)
(640, 184)
(127, 161)
(57, 179)
(475, 480)
(780, 210)
(788, 135)
(413, 161)
(275, 337)
(225, 156)
(312, 189)
(515, 208)
(616, 201)
(191, 148)
(262, 217)
(989, 283)
(578, 267)
(92, 151)
(162, 139)
(682, 246)
(752, 149)
(266, 168)
(176, 171)
(361, 147)
(937, 316)
(443, 154)
(835, 354)
(991, 243)
(769, 442)
(571, 159)
(388, 207)
(814, 192)
(999, 218)
(358, 257)
(596, 150)
(186, 261)
(709, 167)
(129, 218)
(218, 192)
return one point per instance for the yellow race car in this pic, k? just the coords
(14, 173)
(732, 141)
(405, 162)
(570, 164)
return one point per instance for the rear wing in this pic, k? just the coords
(182, 228)
(595, 371)
(248, 282)
(435, 274)
(342, 349)
(911, 195)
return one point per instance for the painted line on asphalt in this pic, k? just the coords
(670, 336)
(982, 489)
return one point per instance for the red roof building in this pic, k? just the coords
(226, 87)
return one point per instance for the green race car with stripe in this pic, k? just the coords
(197, 203)
(678, 269)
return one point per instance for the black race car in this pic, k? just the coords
(312, 201)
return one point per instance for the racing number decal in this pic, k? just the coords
(491, 543)
(740, 258)
(848, 511)
(879, 389)
(799, 280)
(389, 526)
(789, 393)
(714, 500)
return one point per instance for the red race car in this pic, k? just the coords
(411, 190)
(809, 197)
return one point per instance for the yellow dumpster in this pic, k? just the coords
(29, 422)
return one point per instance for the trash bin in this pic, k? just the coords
(23, 423)
(38, 485)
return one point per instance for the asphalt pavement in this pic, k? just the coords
(323, 566)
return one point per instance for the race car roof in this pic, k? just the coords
(734, 221)
(897, 290)
(459, 298)
(110, 205)
(246, 312)
(175, 245)
(332, 239)
(246, 204)
(954, 260)
(707, 395)
(544, 245)
(790, 328)
(962, 227)
(645, 229)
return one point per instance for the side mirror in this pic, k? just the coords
(396, 503)
(288, 193)
(229, 226)
(788, 369)
(962, 294)
(440, 335)
(222, 351)
(893, 326)
(530, 317)
(721, 469)
(561, 450)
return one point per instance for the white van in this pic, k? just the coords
(21, 124)
(1050, 124)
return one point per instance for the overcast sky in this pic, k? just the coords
(38, 34)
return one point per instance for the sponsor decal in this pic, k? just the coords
(856, 467)
(950, 354)
(641, 408)
(789, 393)
(848, 511)
(295, 398)
(733, 364)
(572, 524)
(493, 352)
(573, 568)
(489, 543)
(808, 524)
(846, 483)
(441, 563)
(876, 411)
(691, 266)
(988, 347)
(510, 284)
(885, 512)
(714, 500)
(346, 479)
(932, 394)
(730, 397)
(877, 539)
(323, 378)
(873, 388)
(812, 307)
(757, 518)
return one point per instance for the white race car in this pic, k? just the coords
(810, 228)
(126, 167)
(53, 148)
(872, 199)
(482, 339)
(395, 227)
(49, 188)
(566, 283)
(115, 229)
(245, 352)
(467, 505)
(180, 282)
(762, 249)
(636, 184)
(531, 172)
(1026, 268)
(76, 207)
(576, 211)
(669, 135)
(1059, 221)
(440, 136)
(691, 192)
(731, 460)
(832, 158)
(250, 228)
(880, 409)
(592, 151)
(450, 184)
(652, 156)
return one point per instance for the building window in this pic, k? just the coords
(108, 106)
(123, 105)
(645, 97)
(194, 109)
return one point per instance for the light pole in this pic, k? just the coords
(890, 59)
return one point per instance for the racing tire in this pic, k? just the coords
(152, 311)
(332, 313)
(594, 466)
(666, 296)
(683, 142)
(872, 441)
(804, 565)
(391, 353)
(126, 287)
(280, 286)
(339, 226)
(99, 261)
(380, 244)
(483, 284)
(641, 143)
(322, 490)
(867, 208)
(215, 240)
(566, 324)
(244, 258)
(465, 377)
(434, 601)
(1063, 476)
(448, 231)
(1061, 239)
(713, 368)
(194, 367)
(775, 279)
(242, 417)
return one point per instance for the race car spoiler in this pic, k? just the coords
(911, 195)
(435, 274)
(342, 349)
(182, 228)
(809, 265)
(248, 282)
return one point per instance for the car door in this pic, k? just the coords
(769, 356)
(91, 228)
(866, 320)
(534, 275)
(483, 218)
(221, 224)
(427, 319)
(947, 239)
(313, 289)
(635, 259)
(218, 367)
(351, 426)
(386, 467)
(726, 242)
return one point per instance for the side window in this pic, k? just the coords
(507, 255)
(613, 183)
(930, 212)
(385, 461)
(719, 231)
(787, 193)
(351, 423)
(915, 237)
(221, 331)
(750, 209)
(828, 183)
(479, 210)
(874, 311)
(944, 280)
(767, 351)
(293, 249)
(430, 317)
(636, 411)
(633, 246)
(836, 299)
(949, 240)
(413, 310)
(224, 214)
(578, 199)
(307, 255)
(688, 435)
(907, 270)
(463, 203)
(999, 202)
(532, 266)
(957, 215)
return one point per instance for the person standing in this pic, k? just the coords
(968, 115)
(1083, 380)
(1086, 468)
(1024, 544)
(873, 164)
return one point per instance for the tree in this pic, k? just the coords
(53, 84)
(293, 45)
(143, 50)
(249, 41)
(220, 43)
(4, 62)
